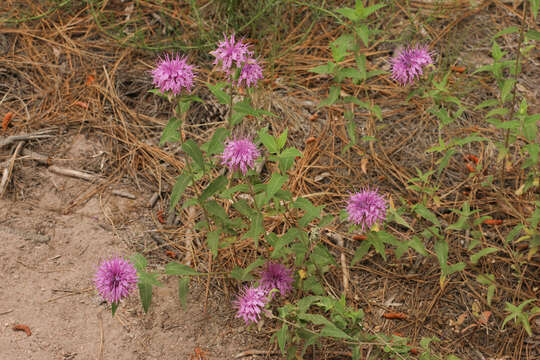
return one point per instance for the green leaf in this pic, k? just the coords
(282, 139)
(497, 111)
(506, 89)
(244, 107)
(246, 273)
(341, 47)
(363, 33)
(243, 208)
(484, 68)
(378, 240)
(512, 124)
(139, 261)
(174, 268)
(227, 193)
(215, 210)
(218, 184)
(182, 181)
(361, 251)
(496, 51)
(349, 14)
(421, 210)
(148, 278)
(332, 330)
(192, 149)
(394, 216)
(216, 144)
(483, 252)
(487, 103)
(321, 256)
(418, 245)
(324, 69)
(535, 4)
(351, 73)
(256, 229)
(145, 293)
(508, 30)
(441, 250)
(170, 132)
(268, 141)
(184, 105)
(313, 285)
(443, 163)
(159, 93)
(332, 97)
(533, 35)
(212, 239)
(274, 184)
(311, 211)
(456, 267)
(366, 12)
(489, 280)
(183, 290)
(282, 335)
(290, 152)
(222, 97)
(516, 312)
(462, 223)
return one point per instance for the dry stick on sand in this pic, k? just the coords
(73, 173)
(42, 134)
(6, 174)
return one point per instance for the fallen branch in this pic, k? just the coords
(73, 173)
(124, 194)
(6, 174)
(42, 134)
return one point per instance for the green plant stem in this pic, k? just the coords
(514, 92)
(231, 94)
(252, 193)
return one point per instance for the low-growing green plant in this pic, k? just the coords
(223, 182)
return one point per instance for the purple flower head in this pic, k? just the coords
(115, 279)
(230, 51)
(409, 64)
(366, 208)
(173, 74)
(250, 303)
(240, 154)
(276, 276)
(251, 73)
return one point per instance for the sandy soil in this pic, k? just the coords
(48, 258)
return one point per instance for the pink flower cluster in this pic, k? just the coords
(232, 52)
(240, 154)
(116, 279)
(366, 208)
(409, 64)
(253, 299)
(173, 74)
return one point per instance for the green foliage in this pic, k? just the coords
(441, 250)
(146, 281)
(235, 207)
(518, 314)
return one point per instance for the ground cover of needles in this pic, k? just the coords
(417, 108)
